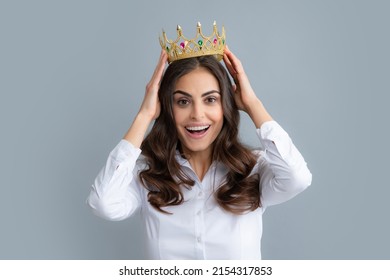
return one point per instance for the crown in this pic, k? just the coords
(200, 45)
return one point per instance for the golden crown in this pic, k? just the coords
(200, 45)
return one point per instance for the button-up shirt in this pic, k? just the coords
(199, 228)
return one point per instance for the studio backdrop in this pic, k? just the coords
(72, 77)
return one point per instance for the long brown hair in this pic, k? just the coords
(164, 178)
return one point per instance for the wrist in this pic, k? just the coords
(258, 113)
(253, 106)
(144, 116)
(137, 130)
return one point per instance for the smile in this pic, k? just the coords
(197, 131)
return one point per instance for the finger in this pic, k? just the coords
(228, 62)
(236, 64)
(161, 64)
(229, 66)
(234, 61)
(159, 70)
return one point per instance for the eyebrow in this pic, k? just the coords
(203, 95)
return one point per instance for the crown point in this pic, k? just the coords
(200, 45)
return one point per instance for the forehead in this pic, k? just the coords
(199, 80)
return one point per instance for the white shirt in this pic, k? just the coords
(199, 228)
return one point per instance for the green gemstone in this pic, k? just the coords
(223, 41)
(200, 42)
(167, 49)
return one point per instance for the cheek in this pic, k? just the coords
(178, 115)
(217, 114)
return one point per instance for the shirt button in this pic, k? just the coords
(200, 194)
(199, 239)
(199, 212)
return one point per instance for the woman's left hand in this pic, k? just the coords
(245, 97)
(244, 94)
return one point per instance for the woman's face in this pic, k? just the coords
(197, 111)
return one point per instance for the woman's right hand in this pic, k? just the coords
(151, 105)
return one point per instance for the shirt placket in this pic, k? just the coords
(199, 222)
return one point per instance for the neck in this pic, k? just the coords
(200, 162)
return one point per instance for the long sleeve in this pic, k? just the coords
(283, 170)
(115, 193)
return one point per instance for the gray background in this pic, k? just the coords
(73, 74)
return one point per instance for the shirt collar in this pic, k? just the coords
(184, 162)
(181, 160)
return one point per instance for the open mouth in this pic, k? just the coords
(197, 129)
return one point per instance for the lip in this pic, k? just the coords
(196, 135)
(198, 127)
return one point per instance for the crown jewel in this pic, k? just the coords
(200, 45)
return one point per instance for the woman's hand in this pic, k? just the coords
(151, 105)
(244, 94)
(245, 97)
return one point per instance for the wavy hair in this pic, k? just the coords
(164, 178)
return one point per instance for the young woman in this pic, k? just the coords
(200, 192)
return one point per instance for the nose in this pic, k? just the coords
(197, 111)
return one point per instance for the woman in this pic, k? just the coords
(200, 192)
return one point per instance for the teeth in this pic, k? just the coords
(197, 128)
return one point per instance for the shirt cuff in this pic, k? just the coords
(125, 150)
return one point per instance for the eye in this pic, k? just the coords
(182, 102)
(211, 99)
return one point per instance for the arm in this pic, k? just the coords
(115, 192)
(150, 108)
(245, 97)
(283, 171)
